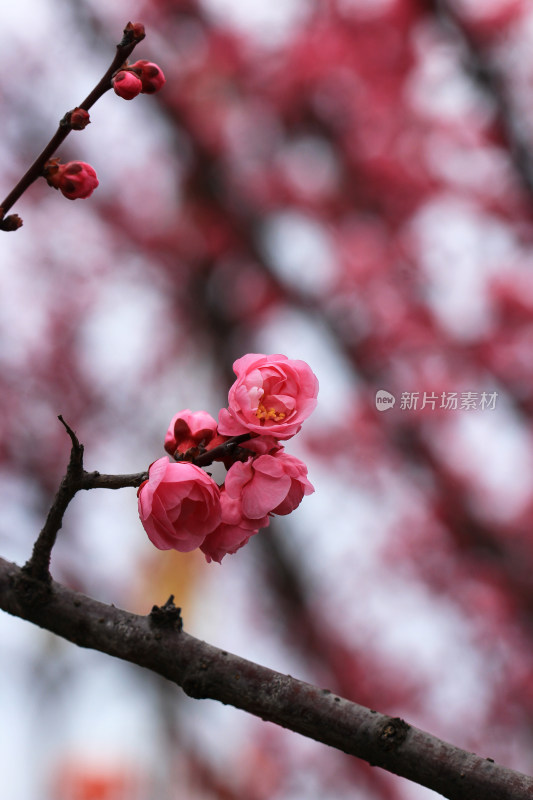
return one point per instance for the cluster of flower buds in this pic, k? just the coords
(182, 508)
(143, 77)
(77, 179)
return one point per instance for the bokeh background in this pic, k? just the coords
(348, 182)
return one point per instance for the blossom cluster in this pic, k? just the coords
(180, 505)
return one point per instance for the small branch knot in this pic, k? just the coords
(393, 734)
(31, 592)
(167, 616)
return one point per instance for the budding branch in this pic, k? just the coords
(124, 49)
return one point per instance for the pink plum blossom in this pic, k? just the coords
(300, 486)
(179, 505)
(182, 508)
(272, 395)
(225, 540)
(268, 484)
(233, 532)
(191, 429)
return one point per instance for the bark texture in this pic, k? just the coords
(158, 642)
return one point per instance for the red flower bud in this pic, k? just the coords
(127, 84)
(79, 119)
(75, 179)
(191, 430)
(151, 76)
(134, 31)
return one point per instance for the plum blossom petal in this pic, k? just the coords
(233, 532)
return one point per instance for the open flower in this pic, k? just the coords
(234, 530)
(272, 395)
(179, 505)
(268, 484)
(296, 471)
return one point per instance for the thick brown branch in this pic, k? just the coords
(203, 671)
(124, 50)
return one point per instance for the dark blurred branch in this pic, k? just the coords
(158, 643)
(489, 78)
(132, 36)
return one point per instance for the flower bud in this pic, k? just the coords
(76, 179)
(127, 84)
(11, 223)
(79, 119)
(134, 32)
(191, 431)
(151, 76)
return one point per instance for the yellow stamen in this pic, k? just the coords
(269, 413)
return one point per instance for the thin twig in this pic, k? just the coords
(95, 480)
(38, 566)
(124, 50)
